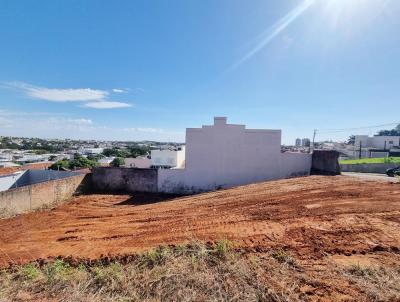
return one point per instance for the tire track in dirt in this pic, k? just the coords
(312, 216)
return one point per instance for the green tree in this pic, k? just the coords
(116, 152)
(117, 162)
(95, 157)
(393, 132)
(351, 140)
(136, 151)
(60, 165)
(79, 162)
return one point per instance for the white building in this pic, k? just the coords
(305, 142)
(168, 158)
(298, 142)
(377, 142)
(106, 161)
(91, 151)
(225, 155)
(375, 146)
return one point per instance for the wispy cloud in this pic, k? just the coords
(93, 98)
(17, 123)
(268, 35)
(146, 130)
(118, 90)
(106, 105)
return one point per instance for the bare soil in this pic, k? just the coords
(324, 223)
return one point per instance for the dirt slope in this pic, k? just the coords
(312, 216)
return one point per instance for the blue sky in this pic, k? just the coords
(139, 70)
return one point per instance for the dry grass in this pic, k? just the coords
(379, 283)
(197, 272)
(7, 213)
(193, 272)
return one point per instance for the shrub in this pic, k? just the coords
(223, 246)
(117, 162)
(29, 271)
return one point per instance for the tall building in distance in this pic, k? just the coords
(305, 142)
(298, 142)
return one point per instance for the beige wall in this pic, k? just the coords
(31, 197)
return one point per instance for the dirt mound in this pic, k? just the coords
(322, 222)
(312, 216)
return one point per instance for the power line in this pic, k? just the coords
(356, 128)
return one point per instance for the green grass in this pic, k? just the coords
(383, 160)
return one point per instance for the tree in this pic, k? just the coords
(95, 157)
(117, 162)
(393, 132)
(60, 165)
(351, 140)
(136, 151)
(116, 152)
(79, 162)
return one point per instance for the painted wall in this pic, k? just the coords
(113, 179)
(295, 164)
(225, 155)
(28, 198)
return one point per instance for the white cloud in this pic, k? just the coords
(81, 121)
(92, 98)
(145, 130)
(39, 124)
(106, 105)
(60, 95)
(117, 90)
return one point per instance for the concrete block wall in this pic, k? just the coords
(367, 168)
(118, 179)
(325, 162)
(28, 198)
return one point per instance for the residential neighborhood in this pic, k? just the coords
(214, 150)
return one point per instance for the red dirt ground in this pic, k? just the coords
(311, 216)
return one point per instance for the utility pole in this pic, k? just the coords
(359, 156)
(313, 140)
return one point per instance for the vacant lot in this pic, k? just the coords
(333, 231)
(381, 160)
